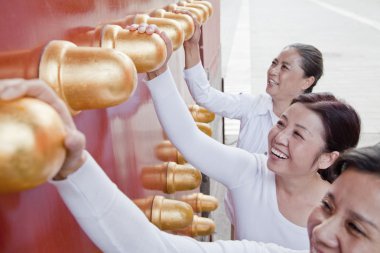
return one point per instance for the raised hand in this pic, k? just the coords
(150, 29)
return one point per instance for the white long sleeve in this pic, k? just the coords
(116, 225)
(230, 166)
(233, 106)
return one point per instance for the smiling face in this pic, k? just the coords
(348, 219)
(296, 142)
(285, 77)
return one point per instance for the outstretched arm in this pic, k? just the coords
(230, 166)
(227, 105)
(115, 224)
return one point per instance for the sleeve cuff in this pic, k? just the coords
(195, 71)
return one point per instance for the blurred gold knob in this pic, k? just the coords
(184, 20)
(31, 144)
(171, 27)
(200, 202)
(166, 214)
(171, 177)
(87, 77)
(202, 8)
(204, 127)
(205, 3)
(201, 114)
(198, 14)
(199, 227)
(148, 52)
(166, 152)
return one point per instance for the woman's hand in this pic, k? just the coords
(191, 46)
(74, 141)
(150, 29)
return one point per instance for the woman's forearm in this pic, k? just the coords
(225, 164)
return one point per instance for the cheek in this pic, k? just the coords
(271, 135)
(315, 219)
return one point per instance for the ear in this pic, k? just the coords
(327, 159)
(308, 82)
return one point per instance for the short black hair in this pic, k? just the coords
(366, 159)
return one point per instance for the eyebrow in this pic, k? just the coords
(297, 125)
(355, 215)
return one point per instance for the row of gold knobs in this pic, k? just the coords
(85, 78)
(66, 57)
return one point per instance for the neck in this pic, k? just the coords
(301, 186)
(279, 106)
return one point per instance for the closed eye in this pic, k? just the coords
(296, 133)
(354, 229)
(326, 206)
(285, 67)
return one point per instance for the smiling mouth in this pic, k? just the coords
(272, 83)
(278, 154)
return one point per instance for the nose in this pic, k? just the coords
(273, 70)
(282, 137)
(326, 233)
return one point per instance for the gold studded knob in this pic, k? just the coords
(148, 52)
(202, 8)
(166, 214)
(184, 20)
(86, 77)
(205, 3)
(166, 152)
(200, 202)
(170, 177)
(31, 144)
(198, 14)
(199, 227)
(204, 127)
(201, 114)
(171, 27)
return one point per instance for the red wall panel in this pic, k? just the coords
(121, 139)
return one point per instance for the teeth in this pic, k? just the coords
(278, 154)
(271, 82)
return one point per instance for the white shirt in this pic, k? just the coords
(246, 175)
(254, 112)
(116, 225)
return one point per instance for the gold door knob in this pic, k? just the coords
(198, 14)
(171, 27)
(171, 177)
(200, 202)
(148, 52)
(31, 144)
(199, 227)
(88, 78)
(166, 152)
(204, 127)
(201, 114)
(166, 214)
(205, 3)
(184, 20)
(202, 8)
(84, 77)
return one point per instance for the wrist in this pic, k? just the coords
(192, 56)
(153, 74)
